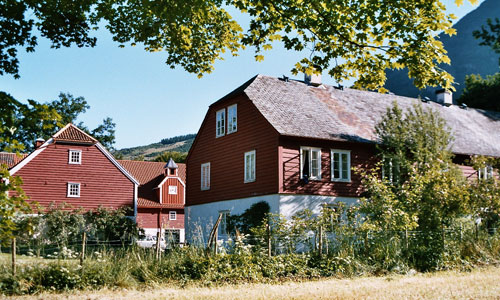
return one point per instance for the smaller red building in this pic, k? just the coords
(161, 196)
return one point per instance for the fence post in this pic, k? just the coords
(406, 238)
(158, 237)
(84, 243)
(320, 243)
(13, 256)
(268, 236)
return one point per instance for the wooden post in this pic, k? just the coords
(13, 256)
(158, 237)
(84, 244)
(406, 239)
(268, 234)
(320, 243)
(212, 239)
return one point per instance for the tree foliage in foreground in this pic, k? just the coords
(420, 188)
(346, 38)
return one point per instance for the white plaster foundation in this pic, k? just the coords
(201, 218)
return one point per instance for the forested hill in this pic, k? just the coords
(181, 143)
(467, 56)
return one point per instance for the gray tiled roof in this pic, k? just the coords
(296, 109)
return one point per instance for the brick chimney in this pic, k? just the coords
(39, 142)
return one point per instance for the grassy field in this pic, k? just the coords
(478, 284)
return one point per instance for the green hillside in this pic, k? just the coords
(180, 143)
(467, 56)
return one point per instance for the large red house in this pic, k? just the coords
(294, 143)
(161, 196)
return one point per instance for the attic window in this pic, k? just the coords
(232, 119)
(221, 123)
(75, 157)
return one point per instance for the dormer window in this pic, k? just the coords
(75, 157)
(232, 119)
(221, 123)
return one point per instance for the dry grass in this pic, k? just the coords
(479, 284)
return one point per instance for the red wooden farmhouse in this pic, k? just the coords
(161, 196)
(75, 169)
(294, 143)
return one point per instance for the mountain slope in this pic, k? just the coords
(467, 56)
(149, 152)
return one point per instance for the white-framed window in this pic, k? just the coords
(75, 157)
(310, 163)
(390, 170)
(205, 176)
(485, 172)
(250, 166)
(232, 118)
(73, 190)
(341, 165)
(221, 123)
(172, 190)
(223, 226)
(172, 215)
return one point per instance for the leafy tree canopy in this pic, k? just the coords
(420, 187)
(22, 124)
(347, 38)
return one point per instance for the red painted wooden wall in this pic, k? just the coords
(101, 183)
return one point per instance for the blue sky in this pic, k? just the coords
(147, 100)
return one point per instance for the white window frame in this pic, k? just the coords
(172, 215)
(205, 177)
(70, 156)
(485, 172)
(250, 169)
(332, 165)
(68, 194)
(310, 149)
(232, 118)
(223, 222)
(172, 190)
(220, 117)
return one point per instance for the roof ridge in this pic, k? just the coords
(72, 126)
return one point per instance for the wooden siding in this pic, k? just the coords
(149, 218)
(362, 155)
(170, 198)
(46, 177)
(226, 156)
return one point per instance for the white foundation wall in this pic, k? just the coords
(154, 231)
(201, 218)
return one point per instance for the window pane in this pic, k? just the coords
(345, 167)
(305, 163)
(315, 163)
(336, 165)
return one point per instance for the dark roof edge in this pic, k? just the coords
(237, 91)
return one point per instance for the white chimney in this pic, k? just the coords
(444, 97)
(314, 79)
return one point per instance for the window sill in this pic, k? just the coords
(341, 180)
(249, 181)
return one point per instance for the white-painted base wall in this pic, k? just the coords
(201, 218)
(154, 231)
